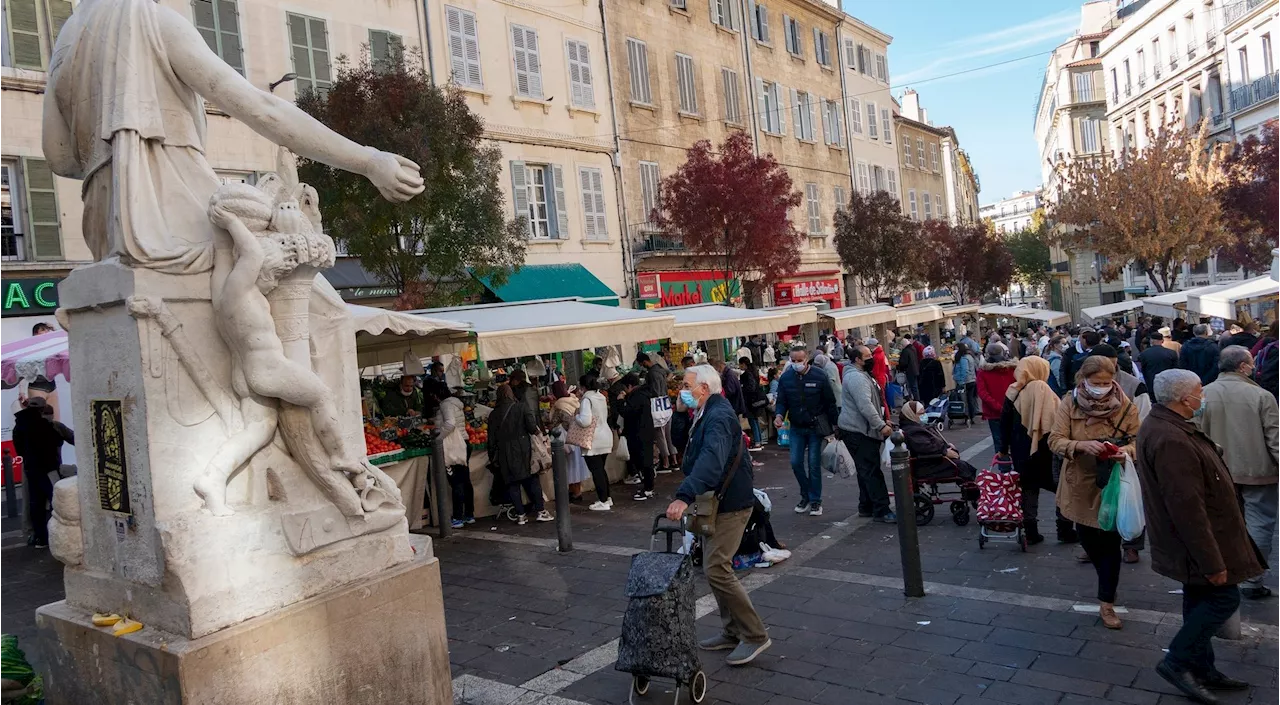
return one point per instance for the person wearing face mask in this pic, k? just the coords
(1095, 412)
(863, 428)
(716, 460)
(1056, 348)
(1198, 536)
(805, 396)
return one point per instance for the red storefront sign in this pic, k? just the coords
(648, 286)
(681, 288)
(802, 292)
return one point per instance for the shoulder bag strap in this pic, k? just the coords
(733, 468)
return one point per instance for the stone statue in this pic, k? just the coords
(124, 112)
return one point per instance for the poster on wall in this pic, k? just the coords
(109, 456)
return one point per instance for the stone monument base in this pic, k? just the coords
(377, 640)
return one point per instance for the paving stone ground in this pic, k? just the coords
(529, 625)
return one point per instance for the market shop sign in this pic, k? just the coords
(682, 288)
(30, 297)
(803, 292)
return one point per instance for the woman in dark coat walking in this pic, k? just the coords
(637, 427)
(933, 381)
(38, 440)
(1030, 406)
(511, 426)
(924, 441)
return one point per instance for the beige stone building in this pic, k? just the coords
(536, 73)
(924, 184)
(264, 39)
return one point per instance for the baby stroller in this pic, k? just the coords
(658, 637)
(1000, 508)
(957, 407)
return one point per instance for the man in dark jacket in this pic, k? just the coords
(1074, 357)
(1200, 354)
(38, 440)
(909, 366)
(1156, 358)
(715, 443)
(732, 387)
(805, 396)
(1198, 536)
(637, 427)
(1246, 338)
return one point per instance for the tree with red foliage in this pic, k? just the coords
(879, 244)
(424, 247)
(1249, 201)
(965, 258)
(731, 207)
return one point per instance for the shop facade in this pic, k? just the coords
(810, 287)
(686, 287)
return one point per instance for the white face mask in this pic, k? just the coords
(1096, 391)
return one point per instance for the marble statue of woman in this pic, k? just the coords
(124, 112)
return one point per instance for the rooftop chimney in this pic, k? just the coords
(911, 106)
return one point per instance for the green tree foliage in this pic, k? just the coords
(425, 246)
(1030, 251)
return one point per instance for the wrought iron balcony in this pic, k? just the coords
(1236, 10)
(1156, 71)
(1211, 39)
(1173, 63)
(654, 243)
(1255, 92)
(1191, 52)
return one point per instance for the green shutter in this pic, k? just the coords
(301, 49)
(58, 12)
(219, 23)
(25, 49)
(42, 210)
(310, 40)
(203, 18)
(385, 48)
(320, 53)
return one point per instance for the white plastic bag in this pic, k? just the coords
(837, 460)
(1130, 517)
(886, 460)
(621, 451)
(829, 457)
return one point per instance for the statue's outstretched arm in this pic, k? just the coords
(278, 120)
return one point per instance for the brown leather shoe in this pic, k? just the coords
(1130, 555)
(1110, 619)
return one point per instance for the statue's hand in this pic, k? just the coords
(397, 178)
(221, 216)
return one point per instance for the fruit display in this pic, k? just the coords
(478, 433)
(374, 443)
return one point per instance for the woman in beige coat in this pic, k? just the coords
(1094, 412)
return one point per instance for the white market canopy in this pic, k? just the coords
(1108, 310)
(1221, 300)
(383, 336)
(920, 313)
(716, 322)
(1049, 317)
(528, 328)
(858, 316)
(798, 314)
(1169, 304)
(952, 310)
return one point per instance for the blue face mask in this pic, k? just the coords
(686, 398)
(1199, 410)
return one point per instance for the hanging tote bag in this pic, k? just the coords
(660, 407)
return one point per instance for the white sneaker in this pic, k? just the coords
(633, 480)
(755, 449)
(610, 503)
(600, 507)
(544, 515)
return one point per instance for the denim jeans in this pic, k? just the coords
(753, 420)
(996, 436)
(807, 442)
(1259, 503)
(1205, 608)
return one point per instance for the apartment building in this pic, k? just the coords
(538, 76)
(1012, 214)
(1248, 28)
(924, 183)
(962, 181)
(41, 238)
(873, 144)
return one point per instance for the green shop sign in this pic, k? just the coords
(30, 297)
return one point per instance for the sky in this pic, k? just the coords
(992, 108)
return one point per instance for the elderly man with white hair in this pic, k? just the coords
(1197, 533)
(716, 461)
(1241, 417)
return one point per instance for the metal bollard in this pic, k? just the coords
(10, 494)
(560, 477)
(905, 507)
(440, 484)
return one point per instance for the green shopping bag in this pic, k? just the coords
(1110, 501)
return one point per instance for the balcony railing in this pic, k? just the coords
(1236, 10)
(1142, 83)
(11, 247)
(1156, 71)
(1173, 63)
(1191, 52)
(656, 243)
(1249, 94)
(1128, 89)
(1211, 39)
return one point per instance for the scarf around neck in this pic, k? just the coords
(1098, 409)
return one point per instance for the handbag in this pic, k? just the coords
(581, 436)
(706, 506)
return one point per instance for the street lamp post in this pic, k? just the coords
(291, 76)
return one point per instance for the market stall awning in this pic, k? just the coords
(1108, 310)
(553, 325)
(920, 313)
(539, 282)
(1169, 304)
(716, 322)
(383, 336)
(858, 316)
(1221, 300)
(38, 356)
(1050, 317)
(797, 314)
(951, 310)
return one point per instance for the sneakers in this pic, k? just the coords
(633, 480)
(544, 515)
(662, 471)
(457, 523)
(469, 520)
(889, 518)
(746, 653)
(755, 448)
(719, 642)
(522, 519)
(802, 507)
(601, 506)
(642, 495)
(815, 509)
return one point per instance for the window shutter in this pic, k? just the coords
(520, 193)
(638, 57)
(796, 107)
(893, 183)
(59, 13)
(839, 122)
(602, 219)
(862, 60)
(850, 59)
(42, 210)
(920, 152)
(379, 46)
(562, 205)
(782, 111)
(764, 23)
(524, 47)
(301, 52)
(320, 53)
(787, 29)
(762, 103)
(826, 123)
(457, 44)
(817, 46)
(855, 115)
(23, 20)
(585, 77)
(588, 204)
(886, 125)
(809, 108)
(203, 18)
(231, 51)
(872, 129)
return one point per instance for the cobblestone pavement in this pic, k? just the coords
(529, 625)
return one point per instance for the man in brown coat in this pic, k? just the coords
(1197, 534)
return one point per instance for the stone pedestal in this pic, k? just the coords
(373, 641)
